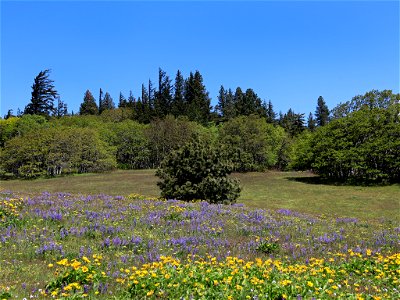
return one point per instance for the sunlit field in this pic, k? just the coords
(269, 190)
(61, 245)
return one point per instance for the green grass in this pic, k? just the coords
(270, 190)
(274, 190)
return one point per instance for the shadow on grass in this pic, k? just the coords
(316, 180)
(329, 181)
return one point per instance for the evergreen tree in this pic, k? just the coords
(220, 107)
(226, 106)
(151, 96)
(197, 99)
(238, 101)
(9, 114)
(43, 95)
(142, 107)
(230, 110)
(88, 106)
(107, 103)
(122, 101)
(311, 122)
(62, 109)
(197, 171)
(270, 113)
(178, 104)
(248, 103)
(322, 112)
(131, 100)
(163, 97)
(293, 123)
(101, 105)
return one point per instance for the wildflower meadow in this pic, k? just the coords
(69, 246)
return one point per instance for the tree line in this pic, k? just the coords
(357, 141)
(186, 97)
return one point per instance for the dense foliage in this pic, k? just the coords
(251, 143)
(53, 151)
(363, 147)
(198, 171)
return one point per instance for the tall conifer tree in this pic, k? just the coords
(197, 99)
(107, 103)
(322, 112)
(178, 104)
(43, 95)
(271, 115)
(163, 97)
(88, 106)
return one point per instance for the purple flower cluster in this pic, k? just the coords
(132, 232)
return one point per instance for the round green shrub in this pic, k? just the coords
(198, 171)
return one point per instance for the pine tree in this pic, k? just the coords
(198, 171)
(88, 106)
(322, 112)
(43, 95)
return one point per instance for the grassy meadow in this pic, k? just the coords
(270, 190)
(94, 236)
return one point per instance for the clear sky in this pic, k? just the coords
(287, 52)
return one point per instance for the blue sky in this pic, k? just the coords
(288, 52)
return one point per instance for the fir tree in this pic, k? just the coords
(107, 103)
(101, 105)
(270, 113)
(178, 104)
(322, 112)
(131, 100)
(88, 106)
(122, 101)
(197, 99)
(163, 97)
(221, 106)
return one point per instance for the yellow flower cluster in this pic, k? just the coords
(175, 208)
(236, 277)
(74, 274)
(10, 207)
(142, 197)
